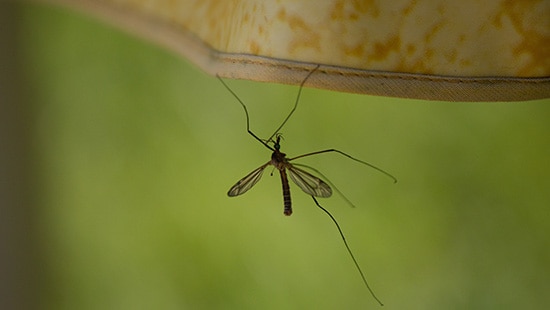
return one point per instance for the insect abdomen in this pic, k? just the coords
(286, 193)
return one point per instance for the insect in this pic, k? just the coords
(309, 183)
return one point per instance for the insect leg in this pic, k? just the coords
(349, 251)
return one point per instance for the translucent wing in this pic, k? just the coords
(247, 182)
(309, 183)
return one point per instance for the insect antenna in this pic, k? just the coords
(349, 251)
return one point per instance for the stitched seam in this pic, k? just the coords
(272, 63)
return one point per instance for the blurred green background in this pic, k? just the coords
(134, 150)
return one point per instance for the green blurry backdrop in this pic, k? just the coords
(135, 149)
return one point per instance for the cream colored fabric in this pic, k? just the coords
(495, 50)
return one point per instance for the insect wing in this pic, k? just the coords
(309, 183)
(247, 182)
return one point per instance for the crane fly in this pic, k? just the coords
(310, 184)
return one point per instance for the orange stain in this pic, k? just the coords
(357, 51)
(383, 49)
(254, 48)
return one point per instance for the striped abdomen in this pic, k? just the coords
(286, 193)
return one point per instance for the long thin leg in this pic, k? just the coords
(348, 156)
(349, 251)
(295, 103)
(245, 112)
